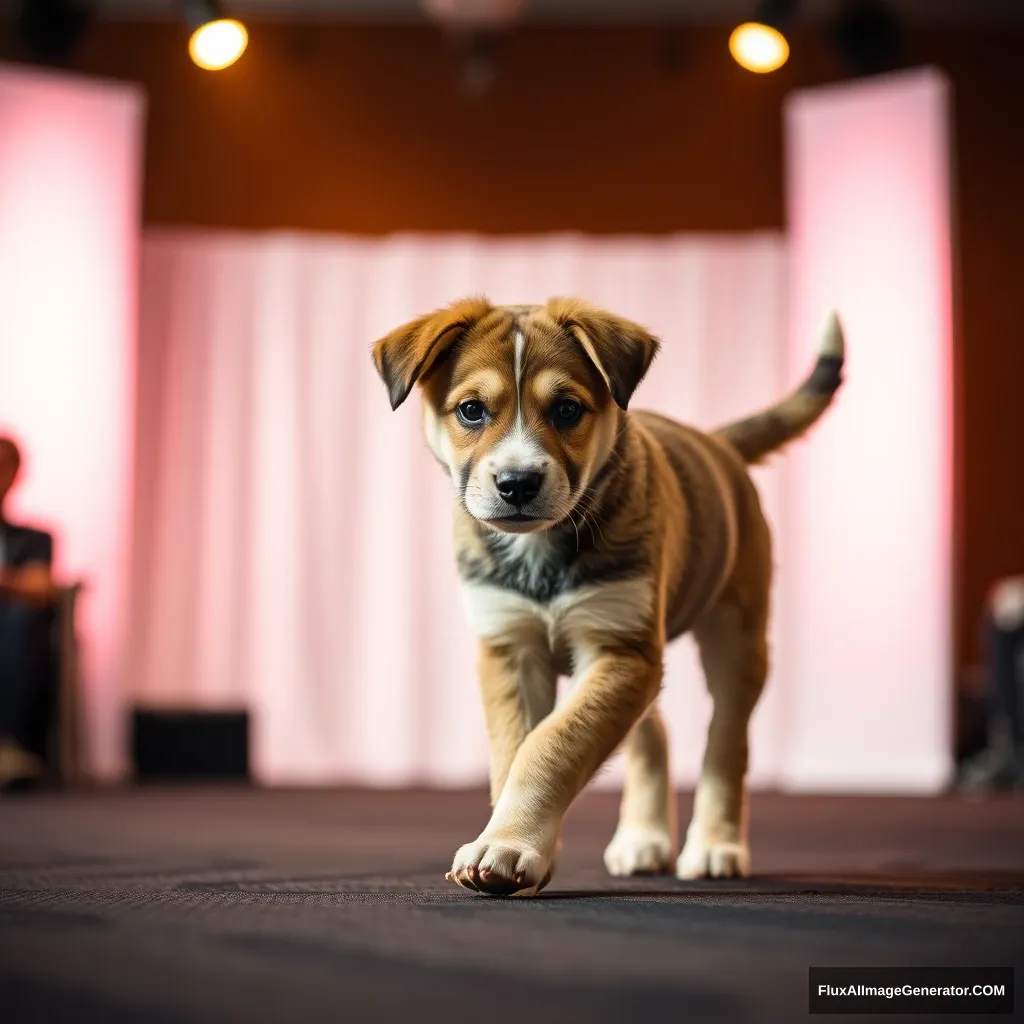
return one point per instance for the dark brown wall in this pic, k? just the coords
(363, 129)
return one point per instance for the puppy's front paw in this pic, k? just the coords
(703, 857)
(638, 850)
(502, 867)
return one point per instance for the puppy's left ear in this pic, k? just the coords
(408, 353)
(621, 350)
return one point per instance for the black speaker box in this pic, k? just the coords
(190, 746)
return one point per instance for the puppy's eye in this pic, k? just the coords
(566, 412)
(471, 413)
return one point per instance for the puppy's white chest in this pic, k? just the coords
(571, 620)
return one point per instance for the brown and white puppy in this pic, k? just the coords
(587, 538)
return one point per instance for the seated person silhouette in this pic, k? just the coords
(26, 599)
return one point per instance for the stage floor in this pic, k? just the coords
(217, 905)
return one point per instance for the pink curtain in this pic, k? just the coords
(292, 533)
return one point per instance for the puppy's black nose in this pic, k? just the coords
(518, 487)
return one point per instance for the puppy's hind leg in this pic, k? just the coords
(645, 840)
(733, 649)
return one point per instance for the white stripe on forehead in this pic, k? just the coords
(518, 450)
(520, 352)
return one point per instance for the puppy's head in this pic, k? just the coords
(521, 403)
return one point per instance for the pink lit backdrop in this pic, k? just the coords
(868, 503)
(70, 161)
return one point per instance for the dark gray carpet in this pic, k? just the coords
(218, 905)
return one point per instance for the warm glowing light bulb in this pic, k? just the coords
(758, 47)
(217, 44)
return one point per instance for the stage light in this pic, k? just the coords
(474, 14)
(477, 27)
(218, 44)
(759, 48)
(869, 38)
(216, 41)
(759, 44)
(49, 31)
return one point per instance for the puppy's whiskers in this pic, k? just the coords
(577, 529)
(586, 514)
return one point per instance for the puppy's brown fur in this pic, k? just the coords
(587, 538)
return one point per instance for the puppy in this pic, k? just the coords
(587, 538)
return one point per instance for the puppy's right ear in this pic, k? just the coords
(408, 353)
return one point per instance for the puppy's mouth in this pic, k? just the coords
(519, 522)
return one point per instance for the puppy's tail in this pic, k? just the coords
(768, 431)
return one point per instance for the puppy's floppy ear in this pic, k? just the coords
(620, 349)
(408, 353)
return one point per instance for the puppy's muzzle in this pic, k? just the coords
(518, 487)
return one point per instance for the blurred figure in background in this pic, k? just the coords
(1001, 764)
(26, 598)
